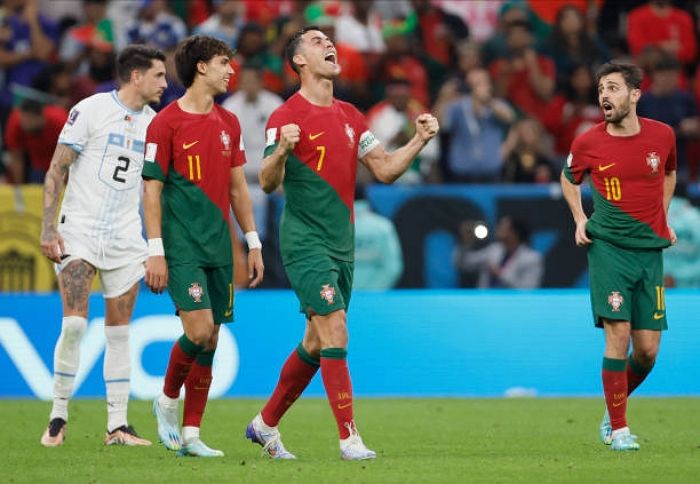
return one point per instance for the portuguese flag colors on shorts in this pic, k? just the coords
(192, 154)
(627, 180)
(319, 180)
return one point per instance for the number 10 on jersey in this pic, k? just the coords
(195, 167)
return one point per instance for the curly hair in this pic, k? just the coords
(195, 49)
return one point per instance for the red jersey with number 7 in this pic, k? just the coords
(627, 176)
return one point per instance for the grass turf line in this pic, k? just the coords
(417, 440)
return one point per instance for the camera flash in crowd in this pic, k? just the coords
(480, 231)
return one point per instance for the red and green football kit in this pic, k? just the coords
(192, 154)
(317, 234)
(628, 226)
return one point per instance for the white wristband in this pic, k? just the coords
(253, 240)
(155, 247)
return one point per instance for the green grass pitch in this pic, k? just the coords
(417, 440)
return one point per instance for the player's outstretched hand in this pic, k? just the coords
(426, 126)
(581, 236)
(256, 268)
(156, 273)
(52, 244)
(290, 134)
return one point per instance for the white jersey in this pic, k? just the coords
(104, 189)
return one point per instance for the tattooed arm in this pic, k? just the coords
(51, 241)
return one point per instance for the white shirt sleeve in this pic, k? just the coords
(76, 131)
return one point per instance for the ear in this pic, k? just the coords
(135, 76)
(635, 95)
(299, 60)
(202, 67)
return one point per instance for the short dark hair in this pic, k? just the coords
(31, 106)
(631, 73)
(290, 49)
(520, 227)
(136, 57)
(195, 49)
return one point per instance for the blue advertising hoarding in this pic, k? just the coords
(402, 343)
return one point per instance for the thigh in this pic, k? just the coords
(649, 309)
(315, 281)
(220, 284)
(118, 309)
(117, 282)
(612, 281)
(187, 285)
(75, 279)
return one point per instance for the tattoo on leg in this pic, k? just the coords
(77, 278)
(125, 304)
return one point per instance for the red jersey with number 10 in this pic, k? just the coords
(627, 180)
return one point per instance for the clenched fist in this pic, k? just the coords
(290, 134)
(426, 127)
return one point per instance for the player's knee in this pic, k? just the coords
(73, 328)
(201, 335)
(646, 355)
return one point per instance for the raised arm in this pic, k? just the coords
(272, 171)
(156, 268)
(387, 167)
(51, 241)
(243, 211)
(572, 195)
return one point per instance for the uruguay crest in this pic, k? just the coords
(195, 291)
(615, 300)
(653, 160)
(225, 140)
(328, 293)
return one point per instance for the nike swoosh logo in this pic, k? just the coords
(228, 313)
(605, 167)
(340, 407)
(186, 146)
(314, 136)
(658, 315)
(618, 404)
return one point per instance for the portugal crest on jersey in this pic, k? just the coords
(328, 293)
(653, 160)
(225, 140)
(615, 300)
(195, 291)
(351, 134)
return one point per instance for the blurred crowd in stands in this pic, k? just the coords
(512, 82)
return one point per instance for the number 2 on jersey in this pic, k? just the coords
(613, 189)
(321, 156)
(118, 168)
(195, 167)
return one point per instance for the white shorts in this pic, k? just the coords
(120, 262)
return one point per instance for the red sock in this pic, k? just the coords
(615, 388)
(295, 376)
(636, 374)
(336, 379)
(197, 389)
(181, 358)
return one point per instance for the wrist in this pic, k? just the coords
(155, 247)
(253, 240)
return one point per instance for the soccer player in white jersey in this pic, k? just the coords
(101, 151)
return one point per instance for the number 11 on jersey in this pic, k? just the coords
(194, 165)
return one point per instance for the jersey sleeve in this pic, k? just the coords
(272, 130)
(238, 158)
(367, 140)
(77, 130)
(671, 161)
(576, 166)
(156, 160)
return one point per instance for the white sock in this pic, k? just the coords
(190, 434)
(621, 430)
(66, 359)
(116, 371)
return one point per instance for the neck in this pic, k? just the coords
(251, 97)
(130, 98)
(317, 91)
(629, 126)
(511, 245)
(197, 100)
